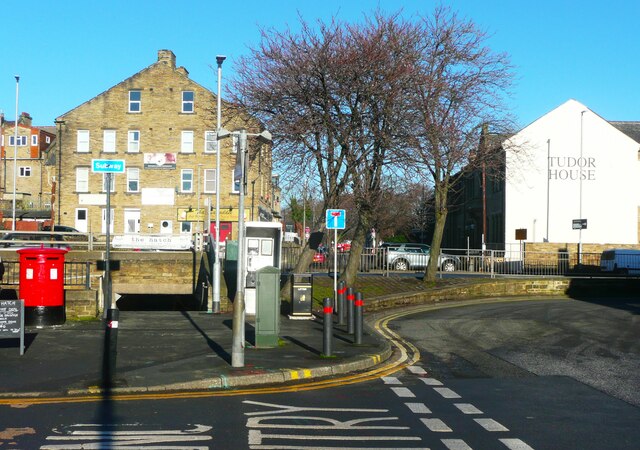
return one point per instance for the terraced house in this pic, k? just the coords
(162, 125)
(29, 152)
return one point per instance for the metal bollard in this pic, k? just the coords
(327, 333)
(359, 307)
(342, 291)
(350, 298)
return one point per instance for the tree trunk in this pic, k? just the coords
(438, 232)
(357, 244)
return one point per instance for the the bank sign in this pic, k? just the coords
(107, 166)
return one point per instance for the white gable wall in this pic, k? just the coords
(607, 163)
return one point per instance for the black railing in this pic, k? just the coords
(76, 273)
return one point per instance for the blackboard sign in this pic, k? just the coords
(12, 320)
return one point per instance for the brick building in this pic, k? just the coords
(162, 124)
(33, 181)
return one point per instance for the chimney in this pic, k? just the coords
(25, 119)
(167, 57)
(183, 71)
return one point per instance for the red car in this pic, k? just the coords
(344, 246)
(319, 258)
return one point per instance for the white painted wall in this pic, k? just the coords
(610, 179)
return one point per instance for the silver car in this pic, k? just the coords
(408, 256)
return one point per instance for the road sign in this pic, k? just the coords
(336, 219)
(107, 166)
(579, 224)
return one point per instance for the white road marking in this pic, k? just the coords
(467, 408)
(256, 437)
(436, 425)
(280, 409)
(315, 423)
(403, 392)
(418, 408)
(515, 444)
(391, 380)
(417, 370)
(431, 382)
(446, 393)
(491, 425)
(315, 447)
(455, 444)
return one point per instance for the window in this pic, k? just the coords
(187, 142)
(186, 180)
(235, 185)
(22, 141)
(105, 177)
(210, 142)
(187, 101)
(109, 144)
(25, 171)
(135, 103)
(133, 145)
(83, 141)
(82, 179)
(185, 227)
(47, 139)
(133, 180)
(209, 181)
(34, 140)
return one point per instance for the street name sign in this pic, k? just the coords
(107, 166)
(579, 224)
(336, 219)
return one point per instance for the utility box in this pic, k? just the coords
(42, 285)
(301, 294)
(267, 324)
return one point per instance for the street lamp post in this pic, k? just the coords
(216, 264)
(15, 158)
(580, 175)
(240, 175)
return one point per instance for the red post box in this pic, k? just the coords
(42, 285)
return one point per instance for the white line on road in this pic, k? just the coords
(417, 370)
(467, 408)
(455, 444)
(431, 382)
(446, 393)
(403, 392)
(391, 380)
(491, 425)
(256, 437)
(436, 425)
(515, 444)
(418, 408)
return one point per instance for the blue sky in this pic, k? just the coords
(70, 51)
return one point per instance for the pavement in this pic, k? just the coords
(175, 350)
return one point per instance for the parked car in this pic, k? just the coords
(344, 247)
(61, 229)
(407, 256)
(620, 260)
(26, 239)
(319, 257)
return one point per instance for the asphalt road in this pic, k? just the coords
(596, 342)
(552, 374)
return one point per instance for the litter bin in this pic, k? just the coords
(42, 285)
(301, 294)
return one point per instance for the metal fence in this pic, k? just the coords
(491, 263)
(76, 273)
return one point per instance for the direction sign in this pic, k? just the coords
(336, 219)
(107, 166)
(579, 224)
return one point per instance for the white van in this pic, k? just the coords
(620, 260)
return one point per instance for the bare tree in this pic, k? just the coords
(330, 98)
(459, 85)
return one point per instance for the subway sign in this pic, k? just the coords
(107, 165)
